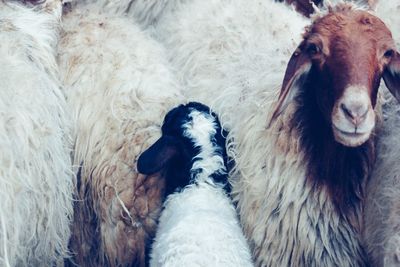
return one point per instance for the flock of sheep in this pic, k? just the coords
(111, 155)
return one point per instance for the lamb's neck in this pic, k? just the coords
(209, 165)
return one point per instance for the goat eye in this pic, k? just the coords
(313, 49)
(389, 53)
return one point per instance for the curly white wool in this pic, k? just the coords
(118, 86)
(36, 180)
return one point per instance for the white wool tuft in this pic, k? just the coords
(388, 12)
(119, 87)
(36, 182)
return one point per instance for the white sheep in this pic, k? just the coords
(198, 225)
(118, 85)
(382, 204)
(301, 159)
(36, 180)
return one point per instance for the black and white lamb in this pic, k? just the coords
(199, 225)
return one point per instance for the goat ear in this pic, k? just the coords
(298, 67)
(158, 155)
(391, 76)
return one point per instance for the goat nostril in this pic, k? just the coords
(346, 111)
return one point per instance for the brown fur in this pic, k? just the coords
(144, 207)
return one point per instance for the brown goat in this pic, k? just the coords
(325, 116)
(338, 67)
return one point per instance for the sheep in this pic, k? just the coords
(300, 163)
(118, 85)
(381, 217)
(36, 180)
(198, 225)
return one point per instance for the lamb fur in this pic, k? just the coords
(227, 59)
(118, 85)
(36, 181)
(199, 227)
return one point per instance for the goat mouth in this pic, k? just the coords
(351, 139)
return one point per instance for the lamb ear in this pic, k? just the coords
(158, 155)
(391, 76)
(299, 66)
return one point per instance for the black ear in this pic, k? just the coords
(158, 155)
(391, 76)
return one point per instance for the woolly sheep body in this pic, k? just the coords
(220, 52)
(229, 63)
(382, 213)
(200, 218)
(118, 86)
(36, 180)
